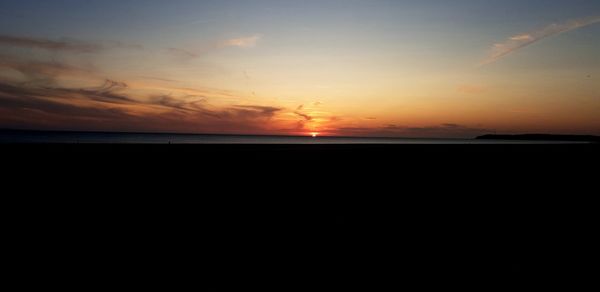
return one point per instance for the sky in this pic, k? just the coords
(394, 68)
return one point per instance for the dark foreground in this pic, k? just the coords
(291, 217)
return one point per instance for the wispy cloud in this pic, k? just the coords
(253, 111)
(53, 93)
(522, 40)
(193, 53)
(38, 101)
(62, 45)
(182, 53)
(108, 92)
(41, 72)
(243, 42)
(299, 112)
(158, 79)
(110, 106)
(52, 45)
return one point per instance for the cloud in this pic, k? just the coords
(523, 37)
(51, 45)
(158, 79)
(245, 112)
(14, 98)
(519, 41)
(181, 53)
(303, 115)
(39, 79)
(63, 45)
(38, 108)
(243, 42)
(188, 54)
(107, 92)
(452, 126)
(41, 71)
(186, 103)
(37, 93)
(110, 107)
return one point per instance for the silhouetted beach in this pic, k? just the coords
(70, 137)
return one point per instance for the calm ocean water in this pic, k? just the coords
(12, 137)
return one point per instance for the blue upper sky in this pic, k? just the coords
(462, 26)
(130, 17)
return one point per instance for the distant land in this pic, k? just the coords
(50, 136)
(542, 137)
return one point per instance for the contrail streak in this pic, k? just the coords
(514, 43)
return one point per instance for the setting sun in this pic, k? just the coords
(314, 135)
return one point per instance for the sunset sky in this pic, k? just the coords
(405, 68)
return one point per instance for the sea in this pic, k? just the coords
(51, 137)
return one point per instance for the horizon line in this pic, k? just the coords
(248, 135)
